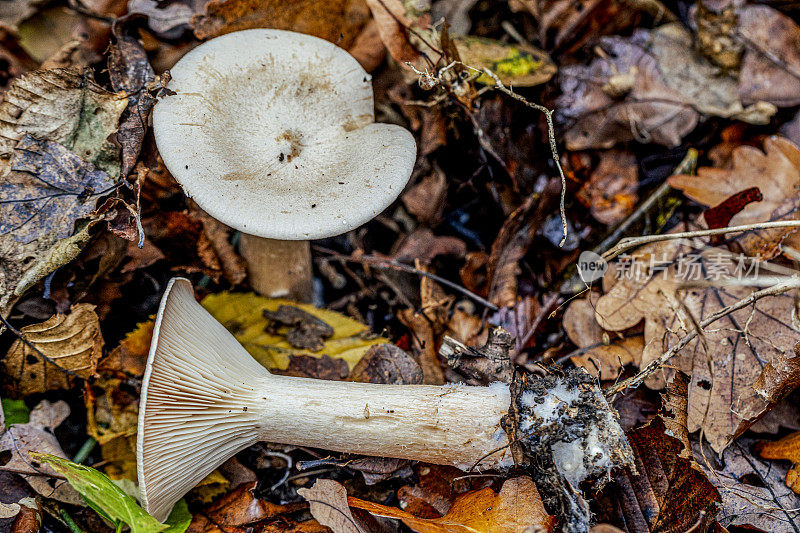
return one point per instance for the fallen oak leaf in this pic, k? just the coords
(788, 449)
(775, 171)
(518, 506)
(73, 344)
(735, 352)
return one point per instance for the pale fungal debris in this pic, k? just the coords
(204, 398)
(273, 133)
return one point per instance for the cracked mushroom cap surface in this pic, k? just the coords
(273, 133)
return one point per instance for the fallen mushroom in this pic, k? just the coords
(272, 132)
(204, 398)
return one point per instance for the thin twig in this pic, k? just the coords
(379, 262)
(633, 242)
(653, 366)
(551, 134)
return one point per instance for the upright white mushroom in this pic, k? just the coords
(204, 398)
(272, 132)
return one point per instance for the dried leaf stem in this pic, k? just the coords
(634, 242)
(379, 262)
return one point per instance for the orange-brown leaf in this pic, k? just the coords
(516, 507)
(787, 448)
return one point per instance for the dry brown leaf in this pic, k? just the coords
(337, 21)
(788, 449)
(667, 495)
(393, 23)
(73, 342)
(37, 436)
(241, 511)
(675, 411)
(569, 24)
(423, 345)
(386, 363)
(328, 501)
(771, 63)
(424, 246)
(733, 353)
(426, 199)
(752, 490)
(518, 506)
(610, 192)
(776, 173)
(605, 355)
(648, 88)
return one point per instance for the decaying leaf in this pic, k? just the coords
(338, 21)
(771, 63)
(131, 354)
(61, 106)
(328, 501)
(112, 409)
(776, 173)
(603, 355)
(648, 88)
(73, 342)
(386, 363)
(12, 13)
(305, 331)
(65, 106)
(731, 355)
(610, 192)
(48, 190)
(37, 436)
(752, 490)
(788, 449)
(130, 72)
(241, 512)
(518, 506)
(667, 494)
(242, 314)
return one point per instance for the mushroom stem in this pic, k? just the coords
(278, 269)
(204, 398)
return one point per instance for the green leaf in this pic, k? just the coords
(102, 495)
(179, 519)
(15, 412)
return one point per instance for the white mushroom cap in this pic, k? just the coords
(272, 132)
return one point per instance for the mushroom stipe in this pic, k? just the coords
(204, 398)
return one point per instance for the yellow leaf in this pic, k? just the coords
(515, 65)
(242, 315)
